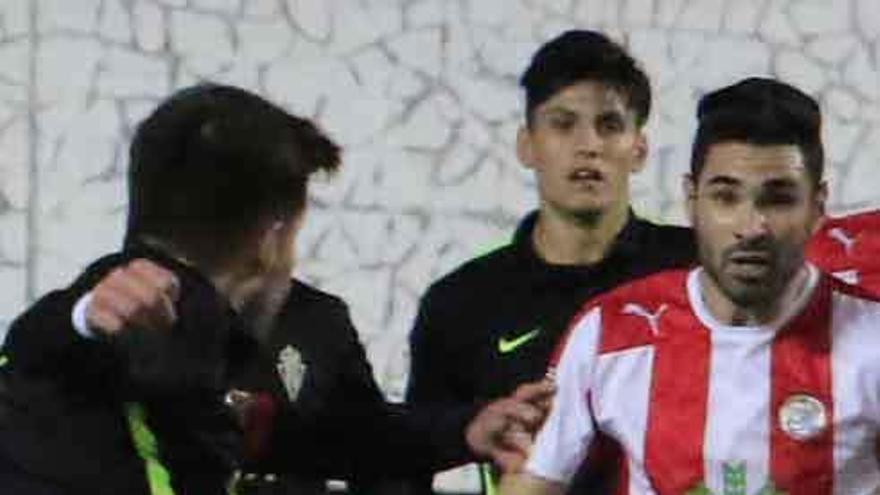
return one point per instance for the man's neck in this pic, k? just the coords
(564, 239)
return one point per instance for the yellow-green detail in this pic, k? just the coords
(3, 360)
(146, 446)
(505, 345)
(734, 479)
(488, 479)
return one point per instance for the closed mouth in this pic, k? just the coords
(751, 258)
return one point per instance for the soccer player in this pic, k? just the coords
(217, 180)
(130, 379)
(754, 373)
(310, 406)
(491, 324)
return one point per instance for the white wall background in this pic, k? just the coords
(421, 93)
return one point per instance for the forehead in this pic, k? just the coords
(593, 96)
(753, 163)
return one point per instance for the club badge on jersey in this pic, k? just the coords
(802, 417)
(291, 371)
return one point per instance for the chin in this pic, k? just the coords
(754, 293)
(588, 206)
(587, 215)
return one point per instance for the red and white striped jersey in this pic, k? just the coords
(849, 248)
(699, 407)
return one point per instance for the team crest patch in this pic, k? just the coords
(735, 483)
(291, 371)
(802, 417)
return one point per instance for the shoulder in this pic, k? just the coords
(303, 295)
(848, 245)
(854, 313)
(858, 221)
(846, 235)
(664, 286)
(674, 239)
(853, 298)
(309, 310)
(630, 315)
(315, 319)
(674, 233)
(475, 273)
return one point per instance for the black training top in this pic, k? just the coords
(146, 409)
(491, 324)
(332, 420)
(123, 415)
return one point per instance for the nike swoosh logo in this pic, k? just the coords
(506, 346)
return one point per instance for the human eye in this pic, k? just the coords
(561, 121)
(782, 193)
(610, 123)
(724, 196)
(780, 199)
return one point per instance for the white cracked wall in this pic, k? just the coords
(421, 93)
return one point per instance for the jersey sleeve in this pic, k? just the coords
(562, 443)
(847, 246)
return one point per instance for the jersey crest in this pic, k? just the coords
(291, 371)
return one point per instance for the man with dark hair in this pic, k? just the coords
(218, 180)
(491, 324)
(753, 373)
(140, 374)
(728, 114)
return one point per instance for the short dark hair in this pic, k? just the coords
(760, 111)
(581, 55)
(213, 161)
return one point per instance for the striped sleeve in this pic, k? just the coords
(564, 440)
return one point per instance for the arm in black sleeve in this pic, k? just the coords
(43, 342)
(342, 427)
(433, 383)
(79, 385)
(433, 362)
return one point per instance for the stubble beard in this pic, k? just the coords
(760, 295)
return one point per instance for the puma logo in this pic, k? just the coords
(841, 236)
(848, 276)
(653, 318)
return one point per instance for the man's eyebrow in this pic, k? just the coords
(557, 109)
(723, 180)
(612, 112)
(781, 183)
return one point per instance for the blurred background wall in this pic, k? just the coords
(422, 94)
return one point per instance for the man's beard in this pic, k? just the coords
(757, 292)
(588, 217)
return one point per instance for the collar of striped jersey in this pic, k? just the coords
(794, 299)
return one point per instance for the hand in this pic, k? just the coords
(504, 429)
(140, 294)
(255, 413)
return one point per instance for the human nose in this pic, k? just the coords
(753, 222)
(588, 141)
